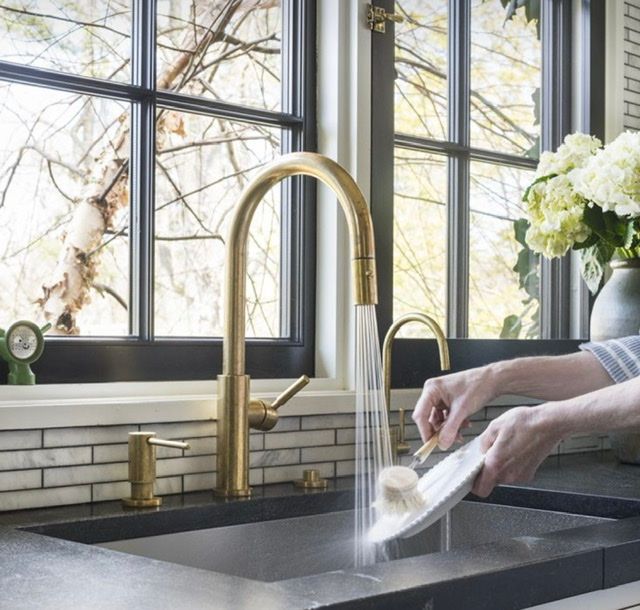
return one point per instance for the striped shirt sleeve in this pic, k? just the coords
(619, 357)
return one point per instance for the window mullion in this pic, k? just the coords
(458, 169)
(141, 174)
(556, 123)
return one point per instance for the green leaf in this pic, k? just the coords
(592, 240)
(630, 233)
(612, 229)
(592, 262)
(592, 217)
(511, 327)
(520, 228)
(527, 262)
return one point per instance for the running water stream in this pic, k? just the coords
(373, 446)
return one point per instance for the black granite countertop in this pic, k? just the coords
(59, 570)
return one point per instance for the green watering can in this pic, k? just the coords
(21, 345)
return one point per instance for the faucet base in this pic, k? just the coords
(141, 503)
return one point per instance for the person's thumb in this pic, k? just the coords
(450, 429)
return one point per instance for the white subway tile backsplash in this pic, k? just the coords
(329, 453)
(168, 485)
(493, 412)
(205, 445)
(580, 443)
(476, 428)
(479, 415)
(279, 440)
(346, 468)
(44, 458)
(320, 422)
(274, 457)
(110, 453)
(77, 464)
(59, 496)
(111, 491)
(76, 475)
(89, 435)
(411, 432)
(182, 465)
(256, 441)
(24, 479)
(20, 439)
(287, 424)
(256, 476)
(346, 436)
(184, 430)
(199, 482)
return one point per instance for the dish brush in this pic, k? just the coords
(398, 485)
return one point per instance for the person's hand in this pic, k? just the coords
(515, 444)
(447, 402)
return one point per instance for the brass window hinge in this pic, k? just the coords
(377, 18)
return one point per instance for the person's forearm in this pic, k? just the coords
(549, 377)
(616, 407)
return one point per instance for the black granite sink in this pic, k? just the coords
(301, 546)
(518, 548)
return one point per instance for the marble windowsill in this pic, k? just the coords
(23, 407)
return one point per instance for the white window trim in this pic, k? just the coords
(614, 70)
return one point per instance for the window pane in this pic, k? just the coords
(64, 205)
(228, 51)
(494, 291)
(421, 68)
(202, 165)
(419, 243)
(505, 79)
(90, 38)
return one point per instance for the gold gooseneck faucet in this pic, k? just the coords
(236, 411)
(399, 445)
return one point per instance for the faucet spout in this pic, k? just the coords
(233, 384)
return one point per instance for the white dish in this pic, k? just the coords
(442, 487)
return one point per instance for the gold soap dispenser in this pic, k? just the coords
(142, 468)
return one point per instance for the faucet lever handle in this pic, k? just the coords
(290, 392)
(264, 416)
(163, 443)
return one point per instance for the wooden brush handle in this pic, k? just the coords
(425, 451)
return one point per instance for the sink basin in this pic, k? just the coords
(290, 548)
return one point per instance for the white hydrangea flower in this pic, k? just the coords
(611, 178)
(555, 211)
(576, 150)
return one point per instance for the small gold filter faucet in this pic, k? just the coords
(237, 412)
(399, 445)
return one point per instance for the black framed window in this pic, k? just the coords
(466, 93)
(131, 128)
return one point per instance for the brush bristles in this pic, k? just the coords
(398, 491)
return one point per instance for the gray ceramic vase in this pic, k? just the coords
(616, 313)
